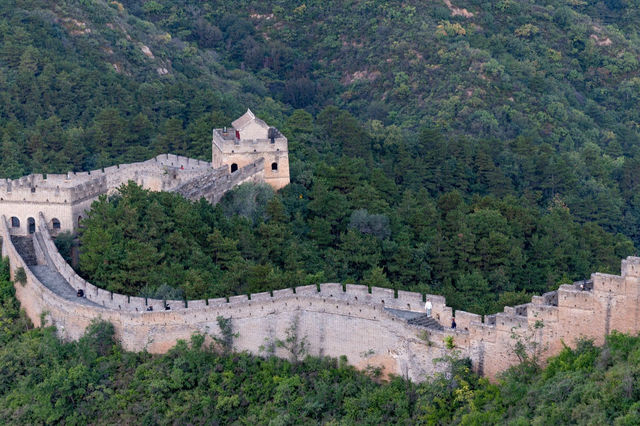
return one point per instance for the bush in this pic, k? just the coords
(372, 224)
(248, 200)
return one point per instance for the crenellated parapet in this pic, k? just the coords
(65, 198)
(368, 324)
(50, 189)
(249, 140)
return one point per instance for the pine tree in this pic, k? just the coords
(10, 166)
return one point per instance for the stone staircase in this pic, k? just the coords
(203, 185)
(48, 276)
(24, 245)
(425, 321)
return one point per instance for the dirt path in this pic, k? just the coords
(456, 11)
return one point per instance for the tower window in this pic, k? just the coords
(234, 167)
(55, 223)
(31, 225)
(274, 167)
(15, 222)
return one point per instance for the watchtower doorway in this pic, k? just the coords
(234, 167)
(31, 225)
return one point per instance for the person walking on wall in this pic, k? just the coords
(453, 323)
(428, 306)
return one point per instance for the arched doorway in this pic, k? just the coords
(234, 167)
(15, 222)
(55, 224)
(31, 225)
(274, 167)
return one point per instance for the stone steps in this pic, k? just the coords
(49, 277)
(426, 321)
(24, 246)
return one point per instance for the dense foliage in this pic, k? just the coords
(348, 224)
(43, 380)
(83, 86)
(562, 72)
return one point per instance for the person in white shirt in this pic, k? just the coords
(427, 307)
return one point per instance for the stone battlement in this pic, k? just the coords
(352, 320)
(65, 198)
(161, 162)
(247, 141)
(43, 190)
(229, 144)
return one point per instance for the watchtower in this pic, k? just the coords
(248, 140)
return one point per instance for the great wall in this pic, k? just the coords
(374, 327)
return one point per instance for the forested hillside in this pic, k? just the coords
(84, 85)
(562, 72)
(484, 151)
(554, 81)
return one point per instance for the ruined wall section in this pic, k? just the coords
(583, 310)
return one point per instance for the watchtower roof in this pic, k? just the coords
(246, 119)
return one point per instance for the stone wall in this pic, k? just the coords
(332, 320)
(66, 198)
(338, 319)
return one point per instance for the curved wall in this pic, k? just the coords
(337, 320)
(332, 321)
